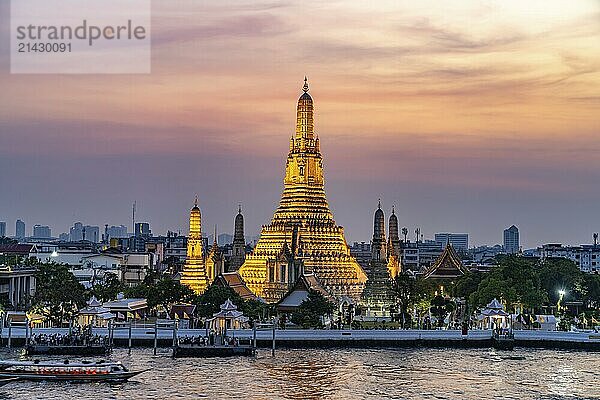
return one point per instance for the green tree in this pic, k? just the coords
(514, 280)
(311, 310)
(58, 294)
(408, 292)
(440, 307)
(167, 292)
(591, 291)
(108, 288)
(210, 301)
(256, 310)
(561, 274)
(163, 292)
(467, 284)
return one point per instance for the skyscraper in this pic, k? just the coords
(142, 229)
(80, 232)
(460, 241)
(42, 232)
(2, 228)
(303, 219)
(511, 240)
(20, 229)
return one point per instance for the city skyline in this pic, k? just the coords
(467, 122)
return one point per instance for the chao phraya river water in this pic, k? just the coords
(342, 374)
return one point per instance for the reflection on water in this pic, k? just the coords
(342, 374)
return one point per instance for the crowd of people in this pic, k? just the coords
(70, 339)
(207, 340)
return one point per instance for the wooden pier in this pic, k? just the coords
(213, 351)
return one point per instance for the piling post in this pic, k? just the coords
(9, 333)
(129, 343)
(273, 348)
(111, 329)
(254, 338)
(26, 332)
(174, 338)
(155, 335)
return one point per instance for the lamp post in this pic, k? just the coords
(561, 294)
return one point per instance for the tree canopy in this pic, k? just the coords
(163, 292)
(58, 294)
(209, 302)
(529, 282)
(311, 310)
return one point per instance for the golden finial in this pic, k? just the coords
(305, 87)
(196, 201)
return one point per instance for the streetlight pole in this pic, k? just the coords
(561, 294)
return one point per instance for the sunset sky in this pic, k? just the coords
(468, 116)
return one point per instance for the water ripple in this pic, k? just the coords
(447, 374)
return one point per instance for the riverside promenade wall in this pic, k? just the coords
(144, 336)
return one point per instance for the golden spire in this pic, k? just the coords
(304, 119)
(194, 272)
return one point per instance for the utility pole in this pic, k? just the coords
(133, 218)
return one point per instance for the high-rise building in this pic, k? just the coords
(304, 221)
(20, 229)
(239, 243)
(419, 254)
(194, 271)
(115, 232)
(142, 229)
(76, 232)
(511, 240)
(79, 232)
(42, 232)
(459, 241)
(2, 228)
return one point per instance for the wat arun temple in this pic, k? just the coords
(303, 237)
(302, 240)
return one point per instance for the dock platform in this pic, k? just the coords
(212, 351)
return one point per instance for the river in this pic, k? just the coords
(341, 374)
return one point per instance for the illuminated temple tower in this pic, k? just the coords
(194, 271)
(383, 267)
(239, 242)
(303, 236)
